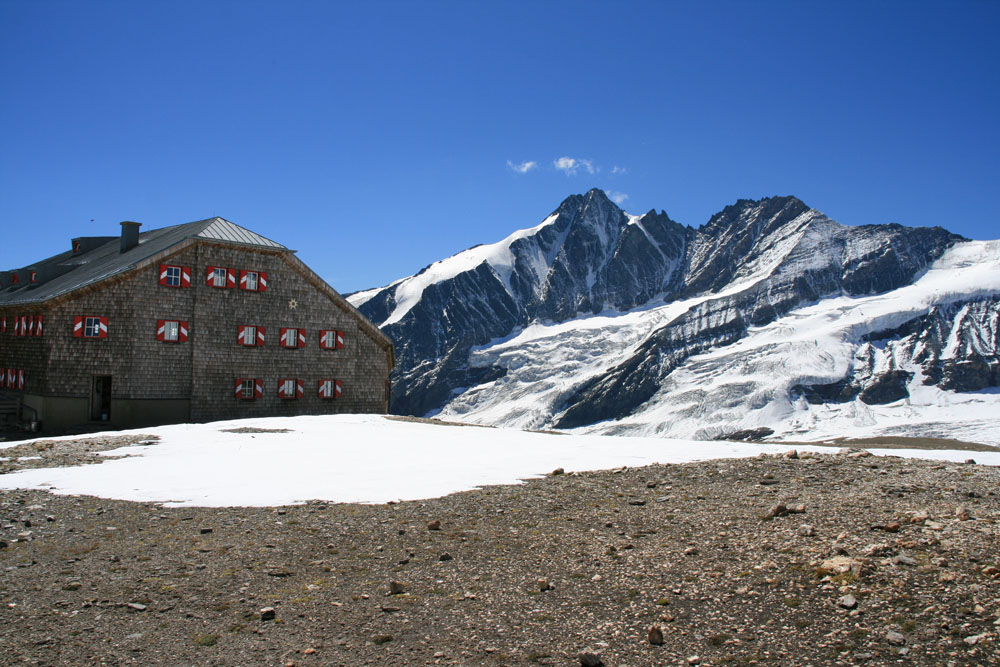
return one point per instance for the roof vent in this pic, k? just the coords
(130, 235)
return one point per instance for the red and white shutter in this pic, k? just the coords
(185, 277)
(241, 334)
(78, 326)
(182, 332)
(3, 378)
(17, 325)
(337, 388)
(230, 277)
(3, 324)
(163, 274)
(102, 331)
(210, 276)
(339, 342)
(161, 330)
(262, 282)
(20, 380)
(283, 388)
(260, 335)
(258, 388)
(300, 388)
(239, 388)
(11, 378)
(243, 279)
(38, 325)
(29, 325)
(302, 338)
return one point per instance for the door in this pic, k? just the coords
(100, 398)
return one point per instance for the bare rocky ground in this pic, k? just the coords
(840, 559)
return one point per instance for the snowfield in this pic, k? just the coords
(747, 384)
(363, 458)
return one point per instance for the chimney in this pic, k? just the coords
(130, 235)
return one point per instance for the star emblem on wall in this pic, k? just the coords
(293, 304)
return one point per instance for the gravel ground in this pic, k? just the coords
(839, 559)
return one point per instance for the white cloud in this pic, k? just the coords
(524, 167)
(570, 165)
(616, 197)
(618, 170)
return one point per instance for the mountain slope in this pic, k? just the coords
(589, 316)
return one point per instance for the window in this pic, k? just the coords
(249, 388)
(290, 388)
(331, 340)
(92, 327)
(175, 276)
(250, 335)
(293, 337)
(329, 388)
(88, 326)
(175, 331)
(253, 281)
(217, 276)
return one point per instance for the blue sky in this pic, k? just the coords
(378, 137)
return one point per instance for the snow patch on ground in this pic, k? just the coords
(360, 458)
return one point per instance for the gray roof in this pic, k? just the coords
(68, 271)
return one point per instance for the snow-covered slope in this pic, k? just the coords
(769, 315)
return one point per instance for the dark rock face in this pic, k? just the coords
(750, 264)
(957, 347)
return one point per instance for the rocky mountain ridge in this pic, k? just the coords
(750, 265)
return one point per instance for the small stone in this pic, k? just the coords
(920, 517)
(903, 559)
(891, 527)
(797, 509)
(693, 660)
(691, 551)
(637, 503)
(768, 481)
(847, 602)
(205, 531)
(778, 510)
(434, 525)
(962, 513)
(389, 610)
(558, 471)
(590, 659)
(267, 614)
(807, 530)
(137, 606)
(651, 485)
(974, 639)
(309, 651)
(444, 557)
(396, 588)
(655, 635)
(970, 462)
(791, 454)
(895, 638)
(544, 585)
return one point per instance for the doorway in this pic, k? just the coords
(100, 398)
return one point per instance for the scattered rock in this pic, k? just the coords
(205, 531)
(962, 513)
(691, 551)
(895, 638)
(544, 585)
(797, 509)
(791, 454)
(590, 659)
(903, 559)
(136, 606)
(847, 602)
(778, 510)
(807, 530)
(434, 525)
(267, 614)
(694, 660)
(557, 471)
(443, 557)
(397, 588)
(655, 635)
